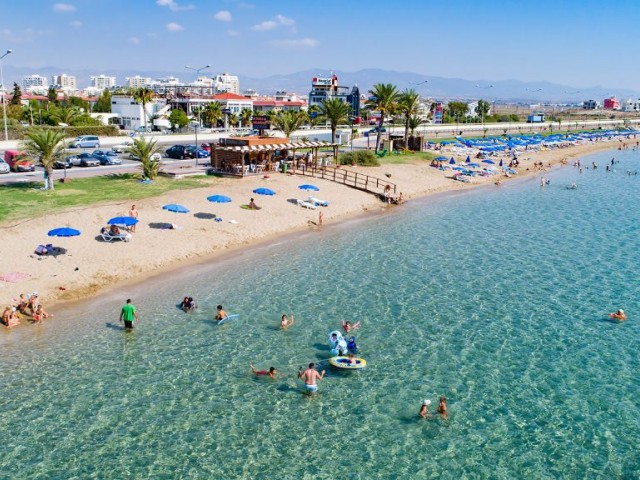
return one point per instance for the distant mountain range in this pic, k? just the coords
(426, 85)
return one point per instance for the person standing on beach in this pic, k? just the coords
(128, 314)
(133, 213)
(320, 218)
(310, 377)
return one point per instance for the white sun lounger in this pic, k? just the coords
(302, 203)
(317, 202)
(107, 237)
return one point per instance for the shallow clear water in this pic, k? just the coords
(496, 298)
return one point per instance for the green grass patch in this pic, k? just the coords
(414, 157)
(26, 200)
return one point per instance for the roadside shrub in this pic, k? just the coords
(17, 132)
(365, 158)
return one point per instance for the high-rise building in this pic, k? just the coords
(325, 88)
(137, 81)
(34, 82)
(226, 83)
(64, 81)
(102, 82)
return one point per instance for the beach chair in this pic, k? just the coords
(303, 204)
(317, 202)
(107, 237)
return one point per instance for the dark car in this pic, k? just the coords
(106, 159)
(193, 151)
(87, 160)
(180, 152)
(64, 163)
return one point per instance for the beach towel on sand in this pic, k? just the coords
(14, 277)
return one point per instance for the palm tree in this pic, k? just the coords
(145, 150)
(246, 114)
(66, 115)
(414, 122)
(288, 121)
(314, 115)
(335, 111)
(384, 98)
(234, 120)
(143, 95)
(45, 147)
(213, 114)
(408, 105)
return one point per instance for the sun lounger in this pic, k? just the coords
(317, 202)
(107, 237)
(302, 203)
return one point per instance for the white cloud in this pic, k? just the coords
(295, 43)
(278, 21)
(63, 7)
(233, 33)
(223, 16)
(174, 27)
(76, 24)
(173, 5)
(134, 40)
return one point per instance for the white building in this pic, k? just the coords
(226, 83)
(35, 84)
(137, 81)
(64, 82)
(130, 112)
(102, 82)
(630, 105)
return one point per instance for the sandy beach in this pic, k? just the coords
(91, 266)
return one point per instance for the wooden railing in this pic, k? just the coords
(360, 181)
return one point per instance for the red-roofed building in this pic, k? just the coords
(265, 105)
(611, 103)
(233, 102)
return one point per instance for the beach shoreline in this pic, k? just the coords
(94, 268)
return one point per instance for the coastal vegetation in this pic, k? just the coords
(335, 112)
(384, 97)
(45, 147)
(145, 150)
(364, 158)
(27, 200)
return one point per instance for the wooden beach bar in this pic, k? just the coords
(242, 156)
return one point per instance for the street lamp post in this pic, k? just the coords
(4, 101)
(197, 70)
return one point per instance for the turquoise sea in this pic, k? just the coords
(496, 298)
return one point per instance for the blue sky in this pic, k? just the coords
(580, 43)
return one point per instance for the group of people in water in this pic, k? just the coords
(27, 305)
(442, 408)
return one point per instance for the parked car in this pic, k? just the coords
(85, 141)
(201, 153)
(122, 147)
(180, 152)
(106, 159)
(4, 167)
(16, 163)
(87, 160)
(156, 156)
(64, 163)
(206, 146)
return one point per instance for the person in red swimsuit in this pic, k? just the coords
(271, 373)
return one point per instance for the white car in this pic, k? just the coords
(120, 148)
(156, 156)
(4, 167)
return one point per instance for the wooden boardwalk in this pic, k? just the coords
(357, 180)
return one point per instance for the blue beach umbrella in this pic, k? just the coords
(126, 221)
(264, 191)
(440, 159)
(174, 207)
(500, 162)
(491, 162)
(309, 187)
(468, 160)
(64, 232)
(219, 199)
(452, 161)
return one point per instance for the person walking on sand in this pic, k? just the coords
(310, 377)
(128, 314)
(134, 214)
(320, 218)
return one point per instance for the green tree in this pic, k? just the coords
(288, 121)
(44, 147)
(103, 104)
(457, 110)
(246, 114)
(408, 106)
(212, 114)
(335, 111)
(78, 102)
(314, 115)
(145, 150)
(144, 96)
(483, 108)
(178, 119)
(384, 97)
(66, 115)
(234, 120)
(52, 94)
(414, 123)
(16, 96)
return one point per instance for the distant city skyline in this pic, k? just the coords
(583, 44)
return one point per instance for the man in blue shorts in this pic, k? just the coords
(128, 314)
(310, 376)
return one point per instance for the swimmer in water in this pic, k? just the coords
(424, 409)
(285, 322)
(442, 407)
(346, 325)
(352, 359)
(619, 315)
(221, 313)
(271, 373)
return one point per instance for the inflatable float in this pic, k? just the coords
(344, 363)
